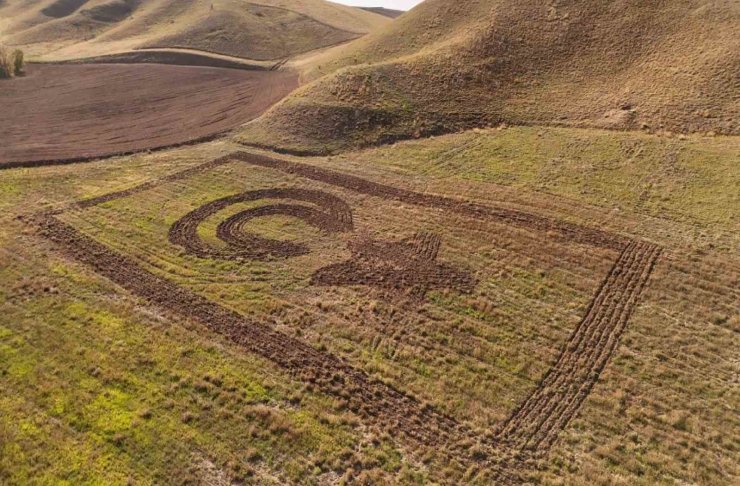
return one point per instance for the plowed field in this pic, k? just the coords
(67, 113)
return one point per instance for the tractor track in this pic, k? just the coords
(532, 428)
(536, 423)
(367, 397)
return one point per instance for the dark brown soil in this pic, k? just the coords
(331, 215)
(408, 266)
(506, 453)
(61, 113)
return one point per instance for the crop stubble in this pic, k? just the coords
(534, 425)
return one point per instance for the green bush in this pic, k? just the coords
(18, 62)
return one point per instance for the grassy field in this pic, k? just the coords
(104, 387)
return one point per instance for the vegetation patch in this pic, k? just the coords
(12, 62)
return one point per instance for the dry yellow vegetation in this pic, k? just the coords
(12, 62)
(111, 379)
(551, 300)
(447, 66)
(258, 29)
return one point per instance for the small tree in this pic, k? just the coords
(7, 69)
(18, 62)
(11, 62)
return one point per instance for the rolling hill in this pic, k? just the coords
(259, 29)
(388, 12)
(447, 66)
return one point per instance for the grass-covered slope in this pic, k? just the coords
(259, 29)
(659, 66)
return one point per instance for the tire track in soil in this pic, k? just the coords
(506, 454)
(562, 229)
(368, 397)
(549, 409)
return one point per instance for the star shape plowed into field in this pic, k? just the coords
(409, 266)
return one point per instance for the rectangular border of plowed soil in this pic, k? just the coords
(502, 455)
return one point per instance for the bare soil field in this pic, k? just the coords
(64, 113)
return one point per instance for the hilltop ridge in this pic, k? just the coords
(444, 67)
(258, 29)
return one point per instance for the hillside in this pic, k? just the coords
(388, 12)
(446, 66)
(259, 29)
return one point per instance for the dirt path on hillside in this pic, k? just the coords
(70, 113)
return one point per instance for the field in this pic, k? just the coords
(294, 242)
(127, 108)
(554, 305)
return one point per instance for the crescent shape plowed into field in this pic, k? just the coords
(330, 214)
(71, 113)
(505, 454)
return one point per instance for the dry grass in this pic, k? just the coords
(448, 66)
(19, 62)
(101, 389)
(265, 29)
(11, 62)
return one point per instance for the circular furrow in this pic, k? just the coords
(331, 215)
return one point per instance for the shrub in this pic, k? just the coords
(7, 69)
(11, 63)
(18, 62)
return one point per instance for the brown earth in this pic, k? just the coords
(409, 266)
(65, 113)
(504, 454)
(176, 57)
(332, 215)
